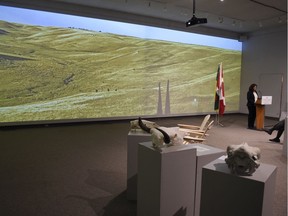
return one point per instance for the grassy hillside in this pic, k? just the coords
(52, 73)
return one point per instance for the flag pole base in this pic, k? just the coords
(218, 120)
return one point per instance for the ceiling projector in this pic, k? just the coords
(195, 21)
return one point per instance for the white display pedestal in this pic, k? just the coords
(166, 180)
(133, 140)
(205, 154)
(225, 194)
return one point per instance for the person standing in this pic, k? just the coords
(252, 97)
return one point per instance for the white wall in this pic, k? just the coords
(264, 62)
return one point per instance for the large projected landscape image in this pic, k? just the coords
(61, 73)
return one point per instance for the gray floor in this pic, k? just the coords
(80, 170)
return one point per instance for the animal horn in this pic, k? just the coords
(166, 138)
(143, 126)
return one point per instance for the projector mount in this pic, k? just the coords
(194, 20)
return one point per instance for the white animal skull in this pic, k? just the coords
(161, 136)
(176, 137)
(134, 124)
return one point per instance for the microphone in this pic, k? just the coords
(259, 94)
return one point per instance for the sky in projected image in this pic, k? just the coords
(32, 17)
(63, 67)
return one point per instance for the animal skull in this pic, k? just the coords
(162, 136)
(175, 136)
(134, 124)
(243, 159)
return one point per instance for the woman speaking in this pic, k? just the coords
(252, 97)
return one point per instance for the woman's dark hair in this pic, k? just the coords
(252, 87)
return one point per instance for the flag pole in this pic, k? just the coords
(218, 116)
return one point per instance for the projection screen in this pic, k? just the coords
(58, 67)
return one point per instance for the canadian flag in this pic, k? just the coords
(219, 94)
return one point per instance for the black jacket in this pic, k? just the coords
(250, 98)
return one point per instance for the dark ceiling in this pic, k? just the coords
(227, 18)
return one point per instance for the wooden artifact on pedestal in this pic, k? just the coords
(260, 114)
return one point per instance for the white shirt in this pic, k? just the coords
(255, 96)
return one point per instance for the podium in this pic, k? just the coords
(260, 114)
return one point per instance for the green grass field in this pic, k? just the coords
(50, 73)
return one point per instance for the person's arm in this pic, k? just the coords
(250, 98)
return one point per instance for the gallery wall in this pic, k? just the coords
(264, 62)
